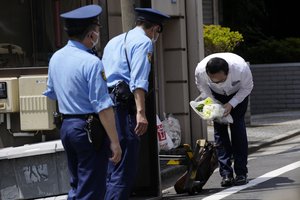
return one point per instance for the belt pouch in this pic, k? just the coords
(95, 130)
(122, 93)
(57, 117)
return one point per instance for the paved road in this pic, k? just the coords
(274, 174)
(264, 130)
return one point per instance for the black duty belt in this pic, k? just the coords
(80, 116)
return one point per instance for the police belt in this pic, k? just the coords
(94, 128)
(80, 116)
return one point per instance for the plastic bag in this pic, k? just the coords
(172, 128)
(208, 109)
(164, 140)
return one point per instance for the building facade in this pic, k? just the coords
(28, 40)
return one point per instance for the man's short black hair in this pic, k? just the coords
(151, 16)
(145, 24)
(79, 28)
(215, 65)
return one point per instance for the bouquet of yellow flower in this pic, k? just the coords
(207, 109)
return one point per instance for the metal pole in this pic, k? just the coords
(128, 15)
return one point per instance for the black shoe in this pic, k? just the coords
(227, 181)
(240, 180)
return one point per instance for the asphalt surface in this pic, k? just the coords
(273, 174)
(263, 130)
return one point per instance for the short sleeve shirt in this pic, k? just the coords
(75, 80)
(139, 50)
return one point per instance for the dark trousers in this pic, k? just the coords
(121, 177)
(236, 146)
(87, 166)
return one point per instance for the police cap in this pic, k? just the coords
(78, 20)
(151, 15)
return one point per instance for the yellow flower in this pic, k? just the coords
(208, 101)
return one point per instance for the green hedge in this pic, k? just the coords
(220, 39)
(272, 51)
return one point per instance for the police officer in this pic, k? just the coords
(227, 78)
(75, 81)
(127, 62)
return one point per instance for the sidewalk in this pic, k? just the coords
(264, 130)
(269, 128)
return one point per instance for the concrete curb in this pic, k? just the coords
(266, 142)
(172, 170)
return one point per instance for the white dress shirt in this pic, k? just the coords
(239, 79)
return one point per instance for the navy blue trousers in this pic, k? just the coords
(121, 177)
(236, 146)
(87, 166)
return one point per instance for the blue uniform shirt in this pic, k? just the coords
(139, 51)
(75, 80)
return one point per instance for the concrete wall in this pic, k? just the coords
(276, 88)
(179, 49)
(177, 52)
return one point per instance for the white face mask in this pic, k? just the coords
(220, 85)
(155, 37)
(97, 40)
